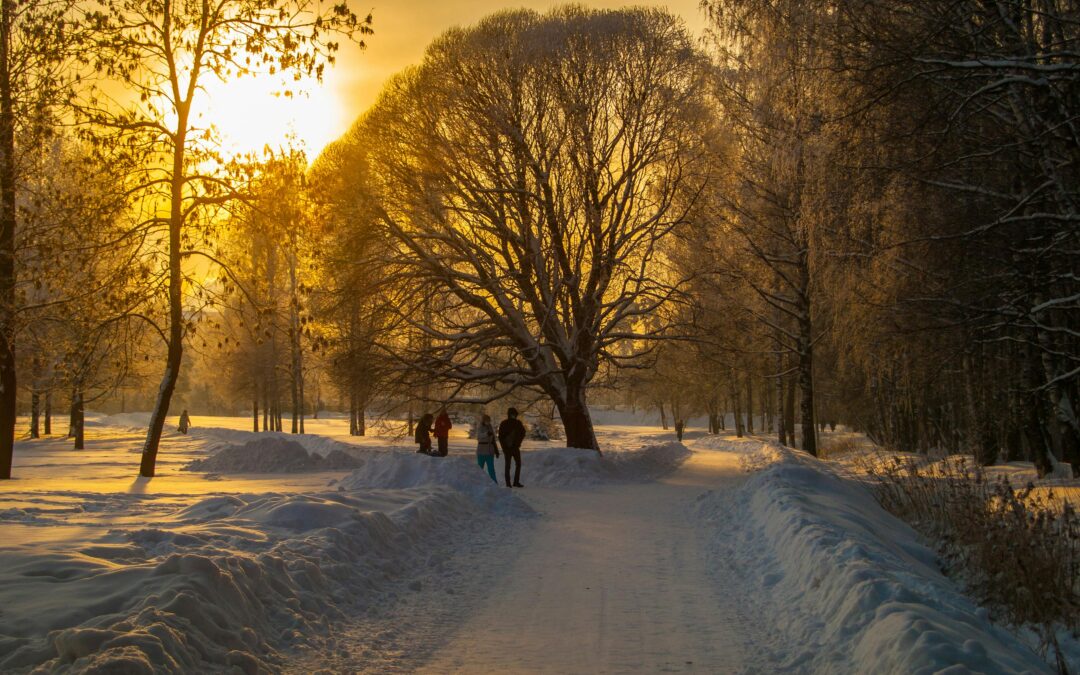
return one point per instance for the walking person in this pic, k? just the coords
(185, 423)
(423, 434)
(443, 425)
(487, 449)
(511, 434)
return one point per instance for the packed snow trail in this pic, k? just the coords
(612, 580)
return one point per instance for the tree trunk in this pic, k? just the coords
(749, 404)
(8, 384)
(297, 370)
(78, 420)
(35, 414)
(71, 415)
(789, 411)
(806, 388)
(663, 416)
(48, 413)
(736, 401)
(303, 399)
(767, 407)
(577, 423)
(294, 389)
(255, 411)
(781, 417)
(352, 414)
(175, 354)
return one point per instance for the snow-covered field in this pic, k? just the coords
(719, 555)
(191, 570)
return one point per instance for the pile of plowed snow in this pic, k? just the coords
(272, 454)
(849, 586)
(225, 583)
(572, 467)
(550, 467)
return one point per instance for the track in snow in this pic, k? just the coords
(609, 579)
(613, 579)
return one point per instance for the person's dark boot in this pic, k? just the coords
(518, 485)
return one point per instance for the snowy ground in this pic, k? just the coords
(717, 556)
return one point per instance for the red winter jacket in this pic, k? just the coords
(442, 426)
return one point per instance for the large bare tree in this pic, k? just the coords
(529, 171)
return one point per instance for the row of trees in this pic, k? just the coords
(852, 211)
(127, 76)
(899, 217)
(855, 212)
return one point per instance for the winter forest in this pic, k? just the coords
(799, 279)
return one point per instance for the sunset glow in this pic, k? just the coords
(251, 113)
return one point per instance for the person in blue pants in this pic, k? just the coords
(487, 448)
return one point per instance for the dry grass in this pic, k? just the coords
(1016, 549)
(842, 445)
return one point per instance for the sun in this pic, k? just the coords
(251, 113)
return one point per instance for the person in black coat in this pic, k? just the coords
(423, 433)
(511, 434)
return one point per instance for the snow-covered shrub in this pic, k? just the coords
(544, 429)
(1016, 549)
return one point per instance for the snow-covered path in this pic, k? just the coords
(613, 579)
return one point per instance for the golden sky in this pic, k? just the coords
(248, 116)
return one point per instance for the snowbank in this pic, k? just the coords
(272, 454)
(136, 420)
(847, 583)
(558, 467)
(226, 581)
(549, 467)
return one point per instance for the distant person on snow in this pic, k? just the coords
(185, 423)
(443, 425)
(511, 434)
(486, 447)
(679, 427)
(423, 434)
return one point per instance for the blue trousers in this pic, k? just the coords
(489, 462)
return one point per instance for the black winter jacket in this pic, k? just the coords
(511, 434)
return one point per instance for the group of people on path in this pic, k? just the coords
(510, 435)
(439, 426)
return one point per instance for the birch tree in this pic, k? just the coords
(773, 95)
(161, 52)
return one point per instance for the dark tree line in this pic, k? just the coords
(906, 187)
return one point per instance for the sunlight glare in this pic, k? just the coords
(250, 113)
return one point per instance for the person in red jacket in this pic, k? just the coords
(443, 425)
